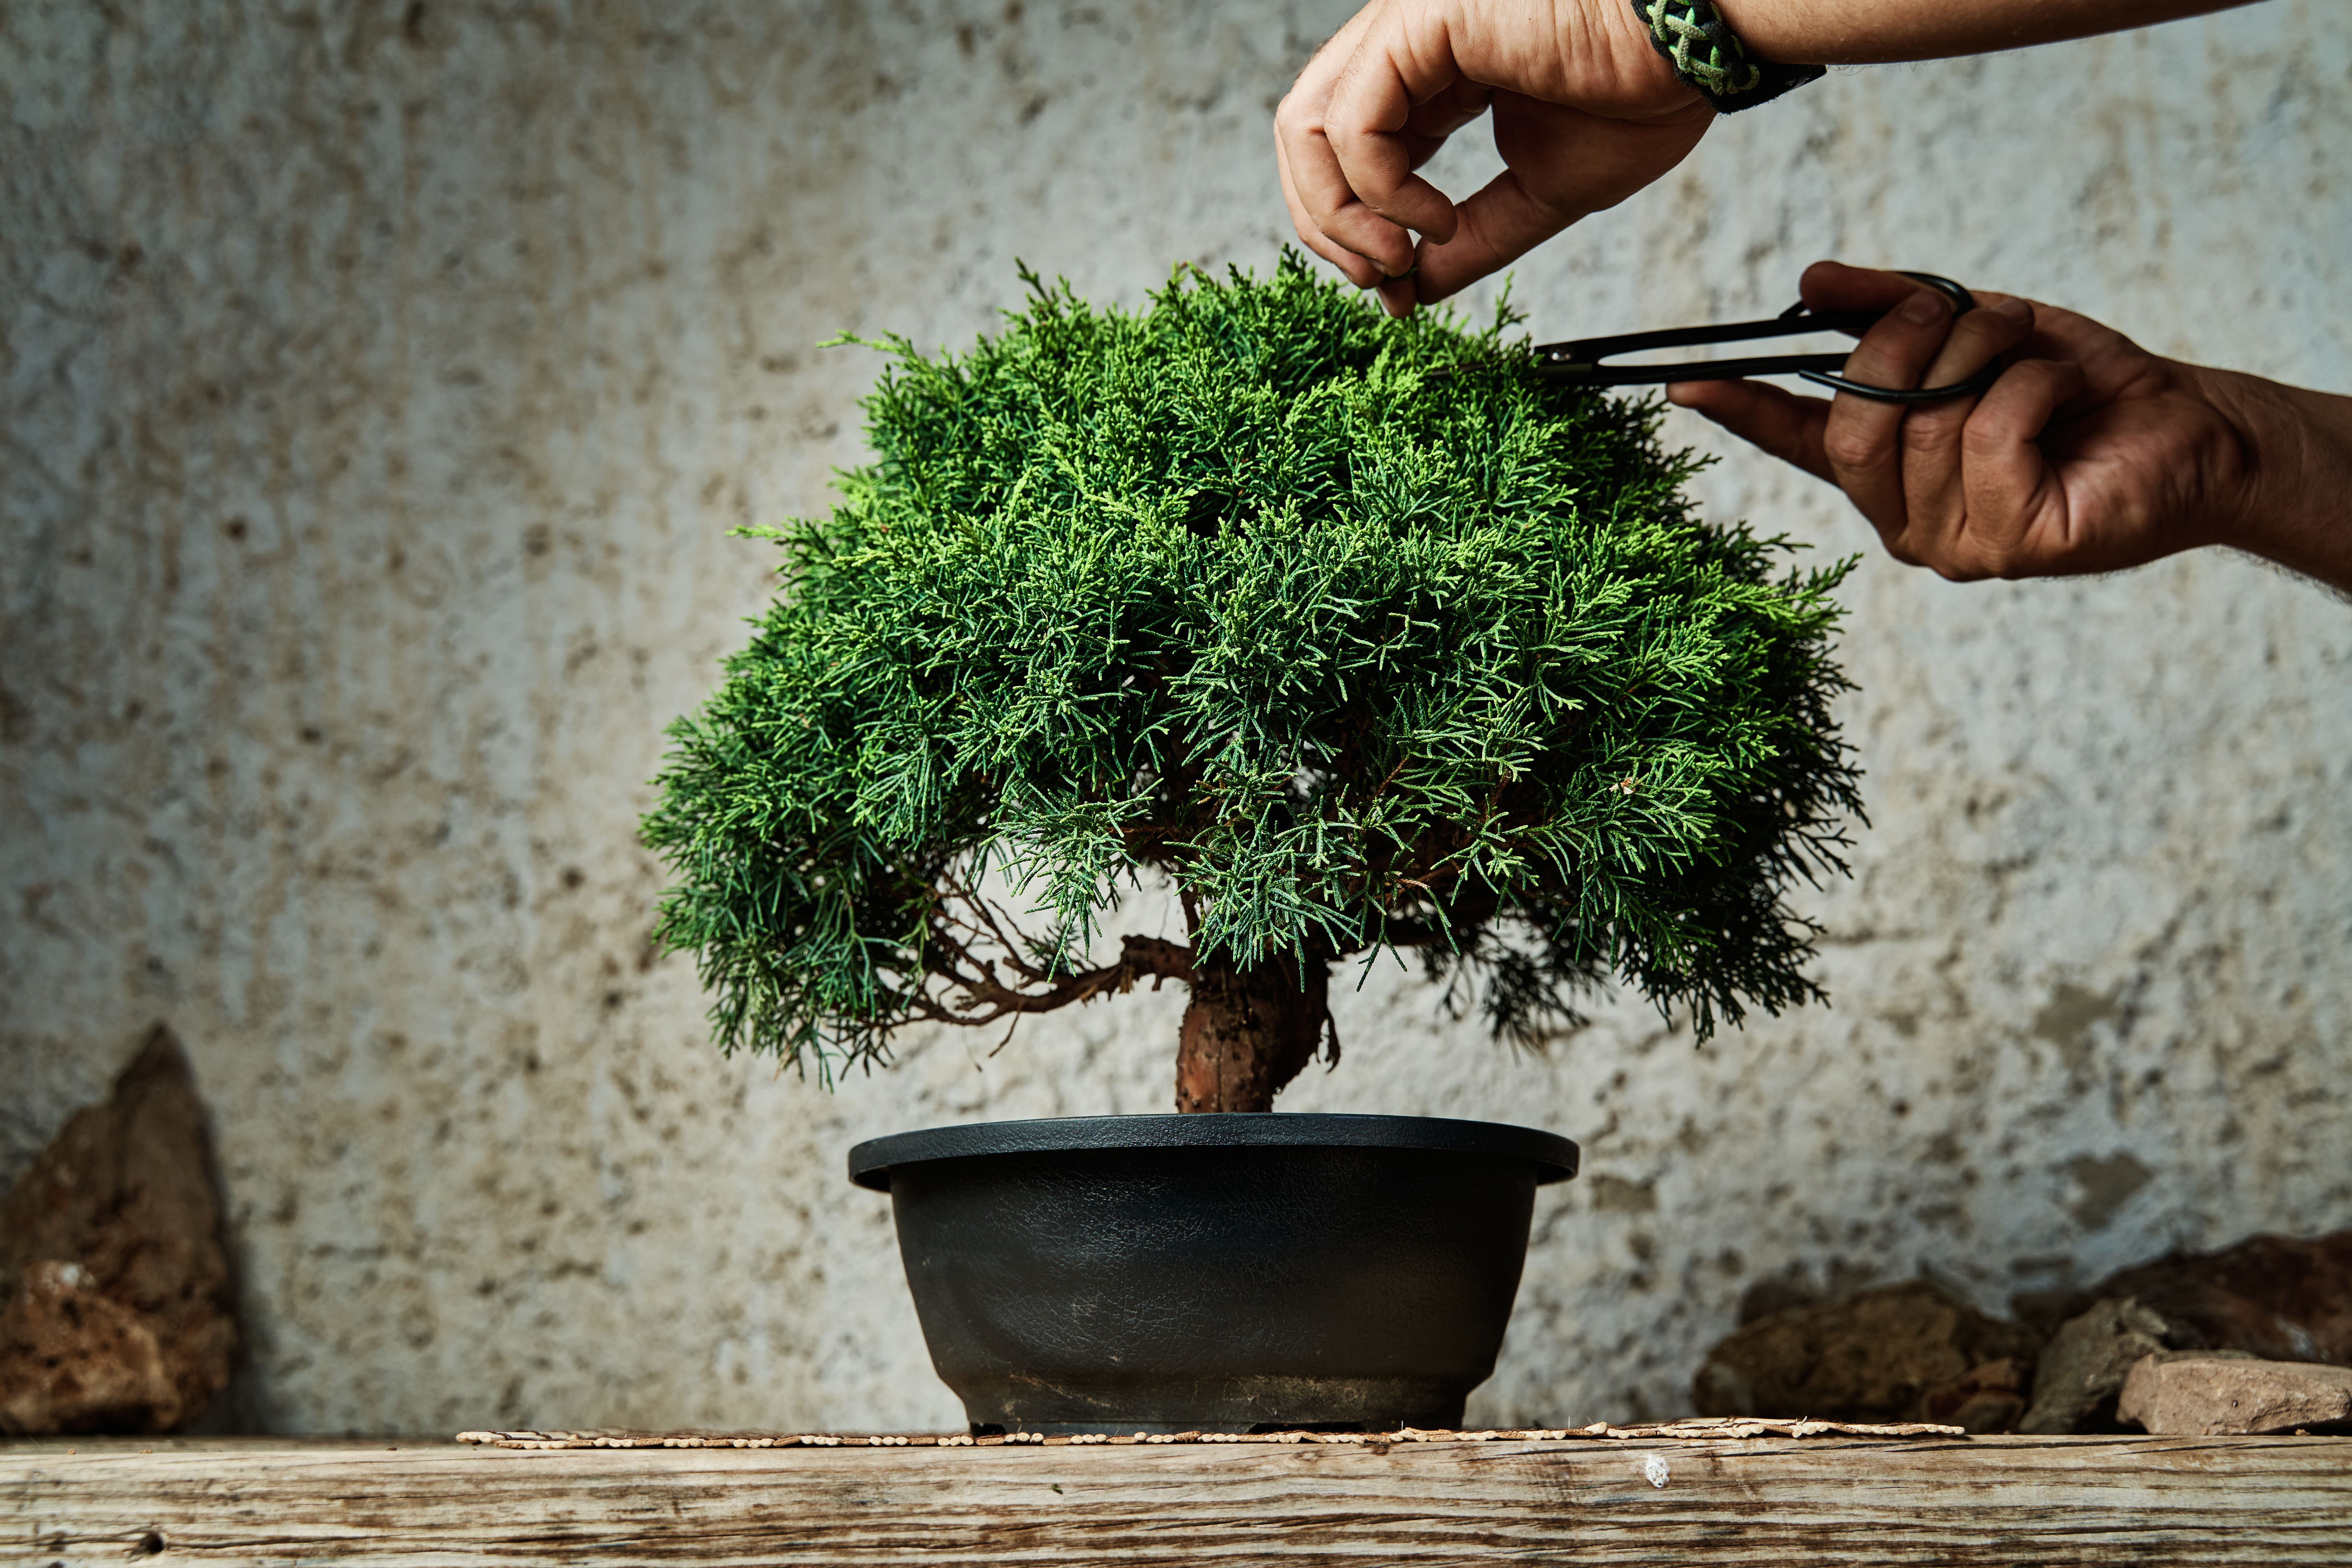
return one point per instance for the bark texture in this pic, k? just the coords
(1248, 1031)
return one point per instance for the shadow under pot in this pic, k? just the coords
(1213, 1273)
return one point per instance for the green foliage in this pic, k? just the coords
(1364, 633)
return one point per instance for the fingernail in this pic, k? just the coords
(2015, 310)
(1925, 309)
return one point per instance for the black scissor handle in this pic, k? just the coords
(1579, 364)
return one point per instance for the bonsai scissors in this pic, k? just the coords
(1579, 364)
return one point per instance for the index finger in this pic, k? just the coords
(1834, 286)
(1360, 271)
(1330, 220)
(1405, 59)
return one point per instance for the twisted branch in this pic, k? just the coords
(978, 995)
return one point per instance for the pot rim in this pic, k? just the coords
(1555, 1157)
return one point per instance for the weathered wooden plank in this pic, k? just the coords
(1999, 1500)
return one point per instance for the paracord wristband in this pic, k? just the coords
(1707, 55)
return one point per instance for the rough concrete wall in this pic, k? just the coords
(380, 381)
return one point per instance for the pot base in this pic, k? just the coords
(1225, 1273)
(1241, 1404)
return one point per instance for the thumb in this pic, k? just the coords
(1559, 163)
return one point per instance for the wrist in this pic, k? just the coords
(1777, 30)
(2290, 501)
(1707, 55)
(1648, 76)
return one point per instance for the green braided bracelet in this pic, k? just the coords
(1694, 36)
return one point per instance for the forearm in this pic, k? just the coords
(1867, 32)
(2298, 508)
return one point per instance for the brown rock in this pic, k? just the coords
(2272, 1296)
(1879, 1356)
(115, 1313)
(2194, 1395)
(79, 1362)
(1988, 1398)
(2083, 1367)
(1779, 1294)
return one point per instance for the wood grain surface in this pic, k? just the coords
(1992, 1500)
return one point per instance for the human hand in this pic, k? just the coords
(1586, 113)
(2088, 454)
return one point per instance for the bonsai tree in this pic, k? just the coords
(1358, 632)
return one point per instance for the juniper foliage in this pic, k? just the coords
(1240, 588)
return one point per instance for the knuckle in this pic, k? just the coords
(1995, 554)
(1980, 440)
(1930, 429)
(1852, 448)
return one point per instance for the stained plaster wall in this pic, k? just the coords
(380, 381)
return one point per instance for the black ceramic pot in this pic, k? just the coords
(1213, 1273)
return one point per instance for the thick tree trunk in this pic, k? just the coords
(1248, 1032)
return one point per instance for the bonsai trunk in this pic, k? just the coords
(1248, 1031)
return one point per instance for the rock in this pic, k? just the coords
(2082, 1368)
(1766, 1297)
(2272, 1296)
(1911, 1352)
(95, 1359)
(115, 1311)
(1884, 1354)
(2194, 1394)
(1988, 1398)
